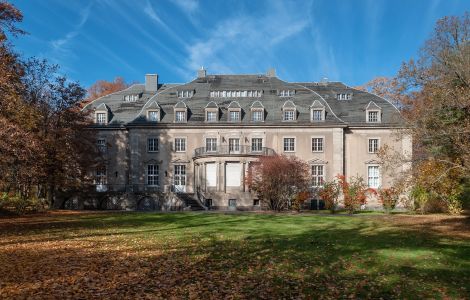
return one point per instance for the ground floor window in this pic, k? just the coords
(180, 175)
(318, 175)
(232, 203)
(255, 202)
(373, 176)
(101, 178)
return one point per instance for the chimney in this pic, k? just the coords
(271, 72)
(201, 73)
(151, 83)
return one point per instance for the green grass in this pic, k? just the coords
(213, 255)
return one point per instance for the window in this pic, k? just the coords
(257, 116)
(256, 144)
(317, 144)
(131, 98)
(234, 145)
(373, 176)
(152, 145)
(232, 203)
(152, 115)
(152, 175)
(318, 175)
(255, 202)
(101, 118)
(234, 116)
(211, 144)
(211, 116)
(180, 117)
(373, 116)
(343, 96)
(102, 147)
(286, 93)
(185, 94)
(180, 144)
(317, 115)
(289, 115)
(289, 144)
(101, 179)
(373, 145)
(180, 176)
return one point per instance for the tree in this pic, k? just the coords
(278, 180)
(385, 87)
(330, 192)
(102, 87)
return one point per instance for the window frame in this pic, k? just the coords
(154, 177)
(178, 145)
(315, 177)
(369, 145)
(185, 115)
(255, 111)
(102, 147)
(322, 138)
(157, 113)
(291, 111)
(284, 144)
(101, 113)
(369, 177)
(369, 111)
(258, 144)
(156, 145)
(213, 144)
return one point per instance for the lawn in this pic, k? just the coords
(243, 255)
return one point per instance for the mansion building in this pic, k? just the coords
(190, 145)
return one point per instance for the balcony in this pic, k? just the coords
(232, 151)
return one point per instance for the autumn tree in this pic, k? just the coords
(279, 181)
(102, 87)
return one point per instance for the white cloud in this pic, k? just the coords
(240, 42)
(189, 6)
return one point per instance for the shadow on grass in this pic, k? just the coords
(251, 256)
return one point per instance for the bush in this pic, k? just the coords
(354, 192)
(330, 194)
(388, 197)
(19, 204)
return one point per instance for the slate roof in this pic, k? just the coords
(308, 94)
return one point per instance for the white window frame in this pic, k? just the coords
(102, 146)
(211, 144)
(318, 179)
(213, 116)
(256, 111)
(369, 140)
(284, 144)
(181, 120)
(238, 111)
(150, 112)
(373, 177)
(152, 146)
(258, 144)
(369, 111)
(322, 139)
(319, 110)
(234, 144)
(99, 120)
(153, 171)
(180, 144)
(288, 115)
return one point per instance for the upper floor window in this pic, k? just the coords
(233, 145)
(236, 94)
(256, 144)
(286, 93)
(288, 115)
(180, 116)
(317, 144)
(234, 116)
(152, 115)
(102, 147)
(289, 144)
(152, 145)
(180, 144)
(101, 179)
(373, 116)
(211, 116)
(373, 176)
(373, 145)
(152, 174)
(185, 94)
(344, 96)
(101, 118)
(131, 98)
(317, 115)
(318, 175)
(257, 116)
(211, 144)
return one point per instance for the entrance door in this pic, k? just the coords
(180, 178)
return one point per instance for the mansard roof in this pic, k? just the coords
(308, 94)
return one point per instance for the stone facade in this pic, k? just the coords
(148, 148)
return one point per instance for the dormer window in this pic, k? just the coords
(289, 111)
(212, 112)
(180, 116)
(131, 98)
(211, 116)
(317, 111)
(344, 96)
(257, 112)
(373, 113)
(185, 94)
(286, 93)
(101, 118)
(152, 115)
(234, 112)
(238, 94)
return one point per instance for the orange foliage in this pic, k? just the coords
(102, 88)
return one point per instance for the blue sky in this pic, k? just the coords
(348, 41)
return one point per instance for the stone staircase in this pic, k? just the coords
(189, 200)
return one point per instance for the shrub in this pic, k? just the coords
(354, 192)
(330, 194)
(388, 197)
